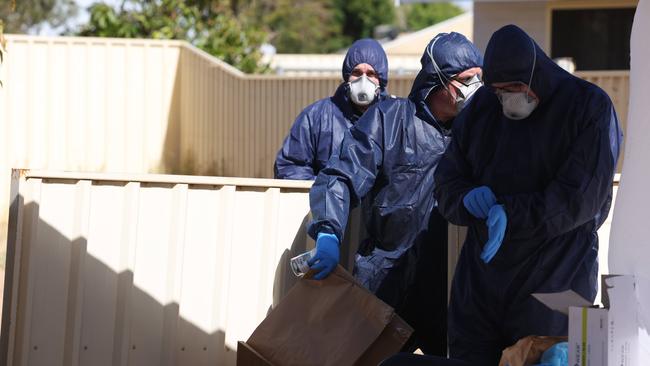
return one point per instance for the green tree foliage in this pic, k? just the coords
(214, 26)
(360, 17)
(423, 15)
(315, 30)
(321, 26)
(29, 16)
(3, 45)
(3, 42)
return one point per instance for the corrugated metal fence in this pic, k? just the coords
(87, 104)
(145, 270)
(234, 124)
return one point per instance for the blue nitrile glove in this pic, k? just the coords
(327, 255)
(558, 355)
(479, 201)
(496, 223)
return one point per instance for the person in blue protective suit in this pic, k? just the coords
(529, 172)
(317, 132)
(387, 159)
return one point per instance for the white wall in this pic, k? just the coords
(531, 16)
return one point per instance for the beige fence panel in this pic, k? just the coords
(234, 124)
(87, 104)
(145, 270)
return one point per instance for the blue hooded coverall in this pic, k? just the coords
(388, 158)
(552, 172)
(317, 132)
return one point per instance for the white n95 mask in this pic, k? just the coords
(517, 105)
(466, 91)
(363, 91)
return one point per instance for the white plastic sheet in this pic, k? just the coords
(630, 238)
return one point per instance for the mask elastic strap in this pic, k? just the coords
(436, 68)
(533, 70)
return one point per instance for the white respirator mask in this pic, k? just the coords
(518, 105)
(466, 90)
(363, 91)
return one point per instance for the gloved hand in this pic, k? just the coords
(327, 255)
(496, 223)
(558, 355)
(479, 201)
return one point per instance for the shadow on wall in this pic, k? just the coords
(284, 277)
(171, 155)
(72, 307)
(189, 166)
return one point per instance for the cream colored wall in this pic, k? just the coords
(87, 104)
(145, 269)
(233, 125)
(529, 15)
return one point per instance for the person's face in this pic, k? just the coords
(443, 101)
(364, 69)
(513, 87)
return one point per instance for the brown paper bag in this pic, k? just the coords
(331, 322)
(528, 350)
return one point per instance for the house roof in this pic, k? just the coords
(414, 43)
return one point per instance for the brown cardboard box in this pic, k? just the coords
(331, 322)
(247, 356)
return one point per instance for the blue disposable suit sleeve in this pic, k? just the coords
(348, 176)
(296, 158)
(453, 179)
(579, 190)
